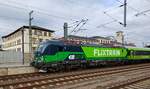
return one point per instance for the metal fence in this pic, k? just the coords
(10, 57)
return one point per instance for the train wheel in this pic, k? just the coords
(67, 67)
(83, 66)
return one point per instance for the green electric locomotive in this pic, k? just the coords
(56, 55)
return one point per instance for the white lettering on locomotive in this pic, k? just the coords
(100, 52)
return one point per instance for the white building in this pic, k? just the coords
(102, 40)
(120, 37)
(89, 40)
(20, 40)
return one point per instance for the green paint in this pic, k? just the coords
(139, 49)
(97, 52)
(140, 57)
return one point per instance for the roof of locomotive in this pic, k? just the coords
(62, 43)
(53, 42)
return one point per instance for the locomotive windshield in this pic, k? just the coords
(52, 47)
(40, 49)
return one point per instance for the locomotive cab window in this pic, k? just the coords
(51, 50)
(142, 52)
(40, 48)
(71, 48)
(60, 48)
(132, 52)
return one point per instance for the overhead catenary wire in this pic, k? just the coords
(73, 24)
(37, 11)
(138, 11)
(108, 10)
(76, 23)
(77, 26)
(112, 9)
(110, 16)
(143, 12)
(120, 6)
(102, 25)
(41, 11)
(127, 6)
(79, 29)
(113, 18)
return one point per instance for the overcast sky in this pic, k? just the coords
(52, 14)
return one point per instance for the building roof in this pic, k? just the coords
(88, 38)
(125, 44)
(33, 27)
(80, 37)
(100, 37)
(119, 32)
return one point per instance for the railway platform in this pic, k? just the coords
(16, 68)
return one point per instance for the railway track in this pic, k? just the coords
(37, 74)
(114, 81)
(18, 76)
(38, 81)
(142, 84)
(135, 82)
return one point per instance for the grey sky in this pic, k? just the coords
(53, 13)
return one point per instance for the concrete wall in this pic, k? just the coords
(16, 70)
(27, 57)
(10, 57)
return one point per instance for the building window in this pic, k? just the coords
(18, 49)
(45, 33)
(34, 40)
(18, 42)
(39, 33)
(35, 32)
(118, 34)
(49, 34)
(33, 48)
(46, 39)
(14, 43)
(101, 41)
(40, 40)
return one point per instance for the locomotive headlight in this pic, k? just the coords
(42, 58)
(71, 57)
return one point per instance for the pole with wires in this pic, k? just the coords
(125, 13)
(30, 34)
(65, 31)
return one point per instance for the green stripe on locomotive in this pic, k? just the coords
(138, 57)
(133, 56)
(139, 49)
(97, 53)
